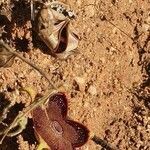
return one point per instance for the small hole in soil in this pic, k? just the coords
(22, 44)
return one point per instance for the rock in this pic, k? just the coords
(90, 11)
(92, 90)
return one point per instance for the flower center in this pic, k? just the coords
(57, 127)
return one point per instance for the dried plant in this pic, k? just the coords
(7, 55)
(54, 29)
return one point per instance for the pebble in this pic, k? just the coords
(80, 80)
(92, 90)
(145, 27)
(90, 11)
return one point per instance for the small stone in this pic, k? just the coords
(148, 20)
(80, 80)
(79, 3)
(130, 1)
(145, 27)
(148, 126)
(92, 90)
(89, 10)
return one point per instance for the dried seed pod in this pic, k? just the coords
(6, 58)
(53, 126)
(54, 29)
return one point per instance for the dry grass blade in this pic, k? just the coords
(13, 53)
(6, 57)
(27, 110)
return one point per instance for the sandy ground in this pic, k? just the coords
(107, 83)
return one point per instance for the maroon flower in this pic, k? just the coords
(54, 127)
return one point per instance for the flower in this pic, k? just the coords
(55, 128)
(53, 28)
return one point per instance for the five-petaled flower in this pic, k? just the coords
(55, 128)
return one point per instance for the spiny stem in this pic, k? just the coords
(29, 63)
